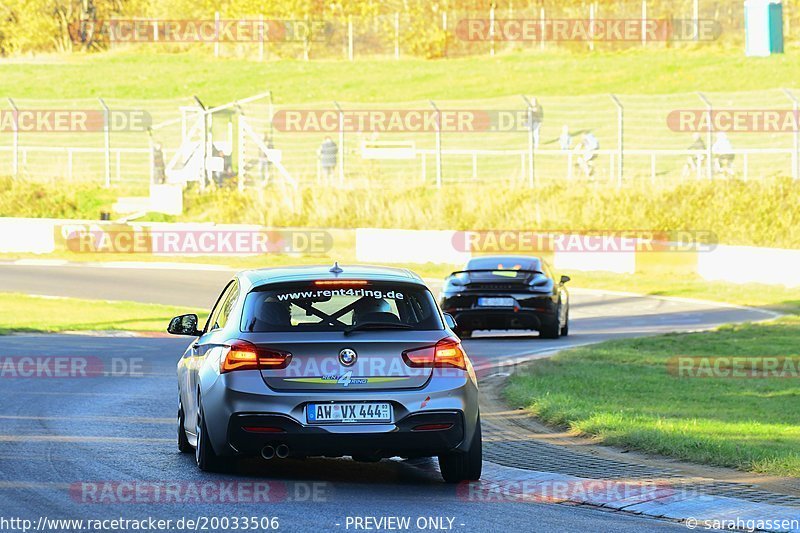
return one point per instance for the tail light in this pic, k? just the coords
(447, 353)
(243, 355)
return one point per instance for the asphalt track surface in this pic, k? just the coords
(78, 448)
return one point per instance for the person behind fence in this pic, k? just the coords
(694, 162)
(218, 175)
(327, 157)
(265, 165)
(587, 150)
(536, 115)
(159, 168)
(565, 139)
(722, 150)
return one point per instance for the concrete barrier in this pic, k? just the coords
(733, 264)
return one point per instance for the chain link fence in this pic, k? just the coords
(261, 141)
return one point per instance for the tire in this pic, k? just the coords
(565, 327)
(459, 466)
(551, 331)
(183, 442)
(207, 460)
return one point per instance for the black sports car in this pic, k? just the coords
(507, 292)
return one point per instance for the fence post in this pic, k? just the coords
(261, 37)
(204, 154)
(240, 140)
(216, 33)
(349, 37)
(542, 35)
(644, 22)
(397, 35)
(591, 27)
(15, 145)
(696, 17)
(438, 145)
(107, 137)
(709, 139)
(152, 155)
(491, 28)
(341, 143)
(620, 139)
(796, 154)
(531, 142)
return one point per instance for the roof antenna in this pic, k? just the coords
(336, 269)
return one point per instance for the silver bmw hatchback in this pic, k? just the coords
(328, 361)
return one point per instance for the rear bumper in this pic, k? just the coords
(239, 399)
(531, 313)
(402, 440)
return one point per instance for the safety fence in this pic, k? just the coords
(512, 141)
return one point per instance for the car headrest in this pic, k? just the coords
(379, 316)
(273, 313)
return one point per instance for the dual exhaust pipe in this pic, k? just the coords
(281, 451)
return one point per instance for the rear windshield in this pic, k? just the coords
(504, 263)
(336, 306)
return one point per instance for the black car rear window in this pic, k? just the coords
(504, 263)
(332, 305)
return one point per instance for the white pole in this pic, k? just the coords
(591, 26)
(644, 22)
(709, 139)
(796, 154)
(531, 143)
(341, 143)
(438, 146)
(216, 34)
(397, 35)
(696, 17)
(349, 38)
(241, 162)
(620, 139)
(542, 27)
(261, 37)
(491, 27)
(15, 146)
(107, 136)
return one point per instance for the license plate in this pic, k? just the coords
(348, 413)
(497, 302)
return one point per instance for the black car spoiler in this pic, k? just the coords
(524, 271)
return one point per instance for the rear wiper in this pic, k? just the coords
(375, 325)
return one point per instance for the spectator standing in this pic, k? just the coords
(328, 152)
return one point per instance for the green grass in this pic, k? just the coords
(141, 74)
(23, 313)
(772, 297)
(621, 393)
(724, 208)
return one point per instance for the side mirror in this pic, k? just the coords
(565, 279)
(449, 320)
(184, 325)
